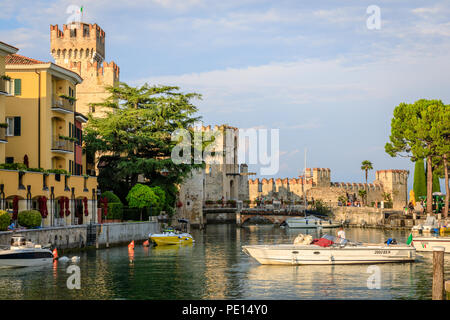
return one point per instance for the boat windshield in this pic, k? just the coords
(18, 241)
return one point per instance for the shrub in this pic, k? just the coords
(161, 204)
(115, 206)
(112, 198)
(5, 220)
(30, 218)
(13, 166)
(115, 211)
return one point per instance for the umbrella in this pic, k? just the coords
(15, 207)
(412, 197)
(85, 202)
(61, 207)
(67, 206)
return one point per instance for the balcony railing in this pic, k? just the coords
(5, 86)
(3, 137)
(62, 145)
(62, 104)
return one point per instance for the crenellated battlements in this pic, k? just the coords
(80, 47)
(218, 128)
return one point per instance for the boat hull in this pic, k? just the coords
(427, 243)
(316, 255)
(25, 258)
(164, 240)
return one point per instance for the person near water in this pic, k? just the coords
(341, 235)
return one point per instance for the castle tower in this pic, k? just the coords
(395, 182)
(80, 47)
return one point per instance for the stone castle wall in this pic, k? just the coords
(316, 183)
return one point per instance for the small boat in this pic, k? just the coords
(22, 253)
(311, 222)
(430, 226)
(170, 236)
(336, 253)
(427, 243)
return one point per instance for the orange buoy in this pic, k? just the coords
(131, 245)
(55, 254)
(146, 243)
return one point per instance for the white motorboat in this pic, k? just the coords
(309, 222)
(427, 243)
(22, 253)
(346, 253)
(429, 226)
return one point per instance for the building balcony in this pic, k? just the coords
(3, 137)
(61, 145)
(5, 86)
(63, 105)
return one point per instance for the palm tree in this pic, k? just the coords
(363, 195)
(366, 165)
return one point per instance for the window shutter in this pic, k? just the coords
(17, 87)
(17, 126)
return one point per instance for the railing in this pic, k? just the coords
(59, 144)
(5, 86)
(59, 103)
(3, 137)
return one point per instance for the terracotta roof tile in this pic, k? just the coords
(18, 59)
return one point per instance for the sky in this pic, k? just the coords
(312, 69)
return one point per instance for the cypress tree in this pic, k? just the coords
(436, 183)
(420, 182)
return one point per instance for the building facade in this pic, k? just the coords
(39, 159)
(80, 47)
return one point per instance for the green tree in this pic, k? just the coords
(420, 181)
(161, 194)
(142, 196)
(416, 132)
(366, 165)
(363, 194)
(436, 185)
(134, 138)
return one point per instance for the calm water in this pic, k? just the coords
(216, 268)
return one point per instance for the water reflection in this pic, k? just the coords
(216, 268)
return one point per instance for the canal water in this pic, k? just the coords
(216, 268)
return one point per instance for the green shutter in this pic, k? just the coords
(17, 87)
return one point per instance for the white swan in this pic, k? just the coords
(75, 259)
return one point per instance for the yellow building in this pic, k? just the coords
(43, 133)
(5, 89)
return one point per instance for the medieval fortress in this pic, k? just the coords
(80, 47)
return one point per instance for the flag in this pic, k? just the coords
(81, 9)
(410, 238)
